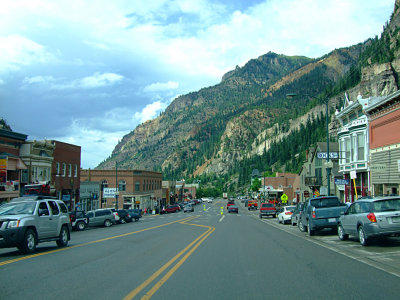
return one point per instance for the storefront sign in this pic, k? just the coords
(378, 168)
(342, 181)
(3, 169)
(109, 192)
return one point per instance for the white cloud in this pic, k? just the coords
(99, 80)
(17, 51)
(1, 81)
(150, 111)
(161, 86)
(37, 79)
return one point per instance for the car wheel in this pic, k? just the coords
(342, 235)
(362, 236)
(63, 239)
(274, 216)
(107, 223)
(279, 221)
(309, 230)
(122, 220)
(29, 243)
(301, 226)
(81, 226)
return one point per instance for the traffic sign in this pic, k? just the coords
(284, 198)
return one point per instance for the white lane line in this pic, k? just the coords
(220, 220)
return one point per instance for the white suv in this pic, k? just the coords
(27, 221)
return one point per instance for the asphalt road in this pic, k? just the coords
(203, 255)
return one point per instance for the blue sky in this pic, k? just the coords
(88, 72)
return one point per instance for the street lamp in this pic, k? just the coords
(326, 102)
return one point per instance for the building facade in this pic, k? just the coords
(384, 134)
(136, 188)
(65, 172)
(11, 165)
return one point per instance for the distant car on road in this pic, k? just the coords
(267, 209)
(252, 204)
(296, 213)
(285, 214)
(233, 209)
(172, 208)
(371, 218)
(136, 214)
(188, 208)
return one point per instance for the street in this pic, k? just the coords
(203, 255)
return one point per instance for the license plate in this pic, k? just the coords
(332, 220)
(396, 219)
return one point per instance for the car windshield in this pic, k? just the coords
(386, 205)
(290, 208)
(267, 205)
(325, 202)
(21, 208)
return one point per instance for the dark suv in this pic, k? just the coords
(79, 220)
(124, 216)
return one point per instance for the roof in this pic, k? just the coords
(13, 135)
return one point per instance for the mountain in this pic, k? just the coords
(245, 121)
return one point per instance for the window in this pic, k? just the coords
(341, 151)
(137, 186)
(43, 210)
(347, 149)
(360, 146)
(63, 171)
(54, 208)
(122, 185)
(353, 148)
(75, 170)
(58, 169)
(69, 170)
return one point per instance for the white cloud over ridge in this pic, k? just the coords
(161, 86)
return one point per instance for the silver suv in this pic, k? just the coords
(27, 221)
(101, 217)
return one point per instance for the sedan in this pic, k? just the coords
(285, 214)
(233, 208)
(188, 208)
(369, 218)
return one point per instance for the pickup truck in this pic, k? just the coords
(319, 213)
(267, 209)
(252, 204)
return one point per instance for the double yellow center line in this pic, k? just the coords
(189, 249)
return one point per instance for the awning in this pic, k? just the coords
(14, 162)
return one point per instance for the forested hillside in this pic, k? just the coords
(221, 133)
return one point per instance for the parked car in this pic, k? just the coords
(101, 217)
(136, 214)
(285, 214)
(233, 209)
(124, 216)
(319, 213)
(172, 208)
(371, 218)
(188, 207)
(296, 213)
(116, 216)
(27, 221)
(79, 219)
(267, 209)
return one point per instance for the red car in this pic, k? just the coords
(229, 204)
(172, 208)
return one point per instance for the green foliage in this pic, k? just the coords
(256, 185)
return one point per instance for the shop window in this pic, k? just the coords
(347, 150)
(360, 146)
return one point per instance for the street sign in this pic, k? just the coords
(306, 194)
(284, 198)
(342, 181)
(332, 155)
(353, 174)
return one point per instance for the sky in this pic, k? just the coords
(87, 72)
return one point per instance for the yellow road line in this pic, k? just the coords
(160, 283)
(198, 240)
(92, 242)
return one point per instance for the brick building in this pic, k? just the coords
(136, 188)
(65, 172)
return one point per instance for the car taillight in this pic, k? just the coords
(371, 217)
(313, 214)
(288, 213)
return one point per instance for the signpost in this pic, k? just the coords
(353, 175)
